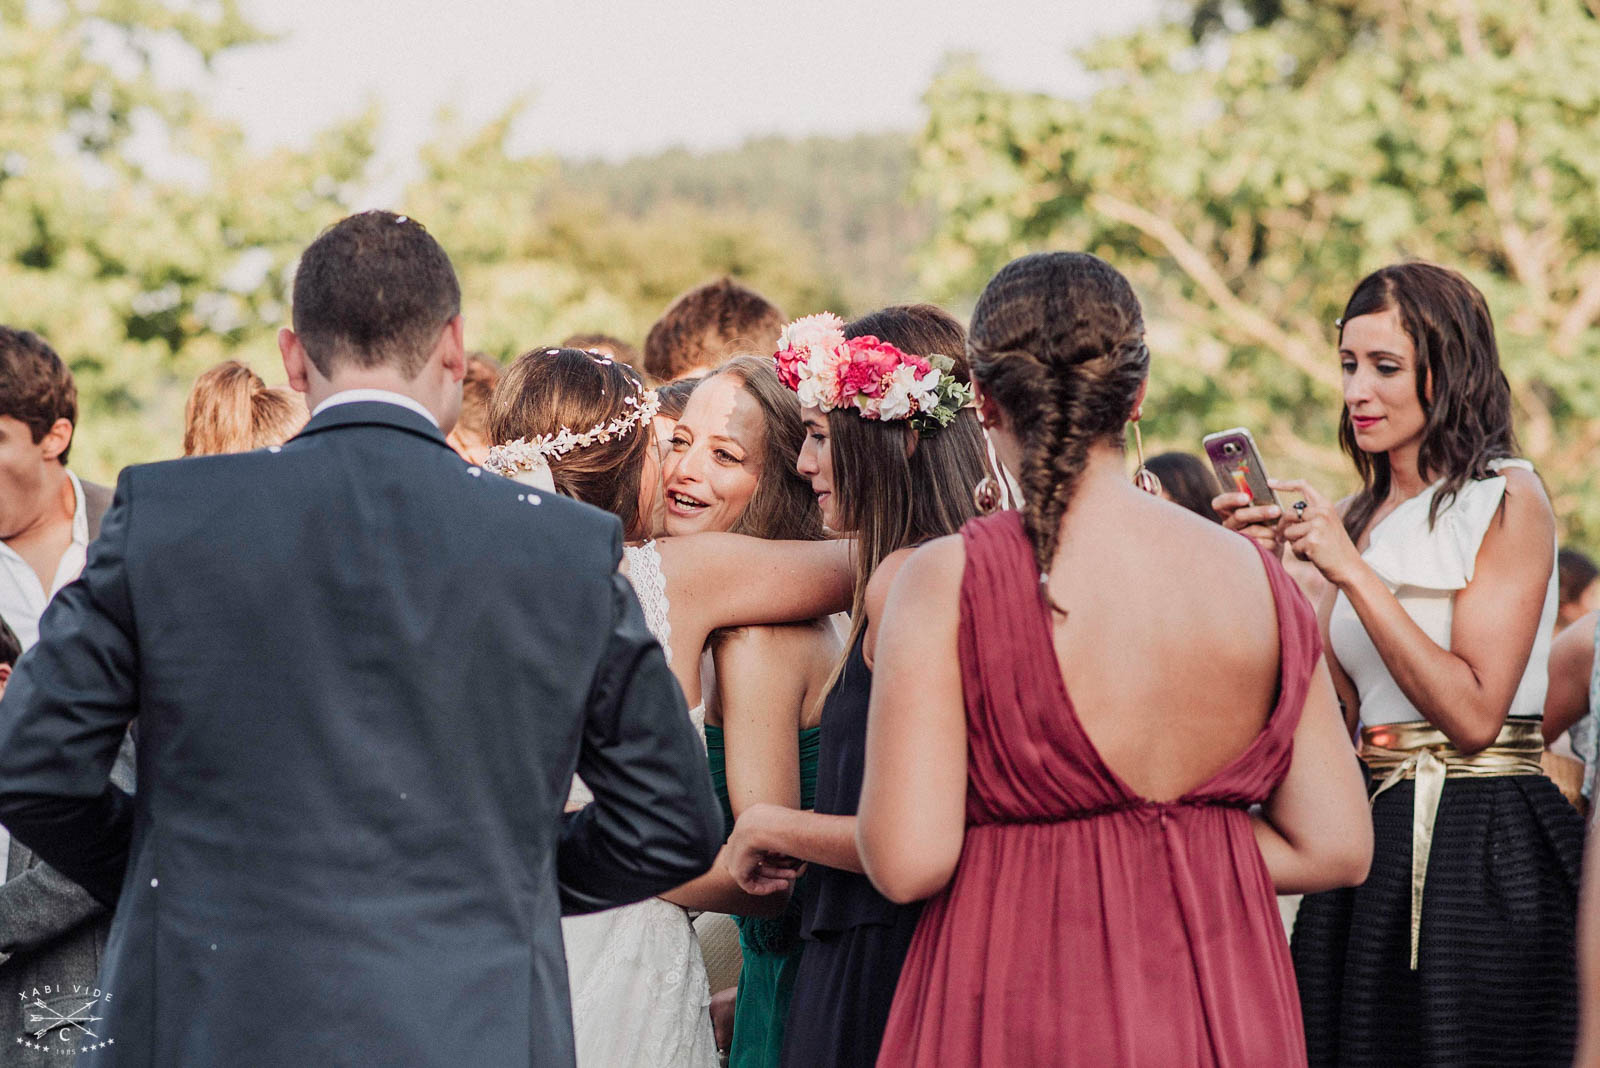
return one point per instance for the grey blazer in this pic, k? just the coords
(52, 938)
(364, 674)
(52, 933)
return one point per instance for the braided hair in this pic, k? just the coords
(1057, 339)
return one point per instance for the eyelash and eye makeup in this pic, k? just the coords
(1387, 370)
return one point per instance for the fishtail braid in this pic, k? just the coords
(1057, 340)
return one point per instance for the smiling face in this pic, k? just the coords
(715, 462)
(1380, 383)
(816, 464)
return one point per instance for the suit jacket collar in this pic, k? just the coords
(373, 413)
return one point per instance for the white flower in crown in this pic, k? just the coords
(813, 334)
(813, 388)
(906, 393)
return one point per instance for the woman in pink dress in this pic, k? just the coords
(1075, 708)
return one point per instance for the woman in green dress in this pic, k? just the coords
(732, 468)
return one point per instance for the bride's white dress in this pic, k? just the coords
(639, 990)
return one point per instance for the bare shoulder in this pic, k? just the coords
(1219, 573)
(1525, 495)
(1572, 652)
(931, 566)
(1526, 525)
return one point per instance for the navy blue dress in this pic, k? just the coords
(855, 938)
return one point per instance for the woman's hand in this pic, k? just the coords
(1316, 532)
(1258, 522)
(752, 856)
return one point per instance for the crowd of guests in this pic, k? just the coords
(1013, 755)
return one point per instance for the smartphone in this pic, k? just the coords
(1238, 465)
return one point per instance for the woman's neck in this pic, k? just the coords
(1104, 478)
(1406, 477)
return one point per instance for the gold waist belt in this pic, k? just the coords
(1421, 751)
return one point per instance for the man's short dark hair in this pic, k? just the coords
(707, 325)
(10, 645)
(374, 290)
(36, 388)
(1577, 571)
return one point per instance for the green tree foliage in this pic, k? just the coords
(146, 242)
(135, 232)
(1246, 184)
(846, 198)
(546, 249)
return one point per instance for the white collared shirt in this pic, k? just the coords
(383, 396)
(23, 599)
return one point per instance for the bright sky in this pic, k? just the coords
(617, 77)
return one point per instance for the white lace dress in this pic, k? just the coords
(639, 990)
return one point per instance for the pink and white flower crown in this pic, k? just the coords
(872, 377)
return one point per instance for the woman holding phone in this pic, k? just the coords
(1459, 946)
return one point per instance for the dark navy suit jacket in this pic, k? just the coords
(364, 674)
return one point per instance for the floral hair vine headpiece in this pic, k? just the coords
(528, 459)
(873, 377)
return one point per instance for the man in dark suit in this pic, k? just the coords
(364, 673)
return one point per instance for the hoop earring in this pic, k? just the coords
(986, 495)
(1144, 478)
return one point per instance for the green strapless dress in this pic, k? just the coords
(770, 945)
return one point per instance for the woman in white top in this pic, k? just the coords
(1458, 949)
(579, 423)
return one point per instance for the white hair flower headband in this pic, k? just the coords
(528, 459)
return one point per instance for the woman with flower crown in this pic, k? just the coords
(637, 981)
(894, 457)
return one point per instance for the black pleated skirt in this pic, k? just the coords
(1496, 983)
(844, 990)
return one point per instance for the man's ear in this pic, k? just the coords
(295, 361)
(55, 440)
(454, 350)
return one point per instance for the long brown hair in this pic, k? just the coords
(1058, 341)
(783, 506)
(1468, 418)
(231, 409)
(547, 390)
(895, 488)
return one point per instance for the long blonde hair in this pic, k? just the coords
(231, 409)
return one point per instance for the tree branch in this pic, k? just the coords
(1582, 312)
(1294, 350)
(1529, 258)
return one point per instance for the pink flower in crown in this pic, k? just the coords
(871, 369)
(789, 364)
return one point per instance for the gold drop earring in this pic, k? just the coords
(1144, 478)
